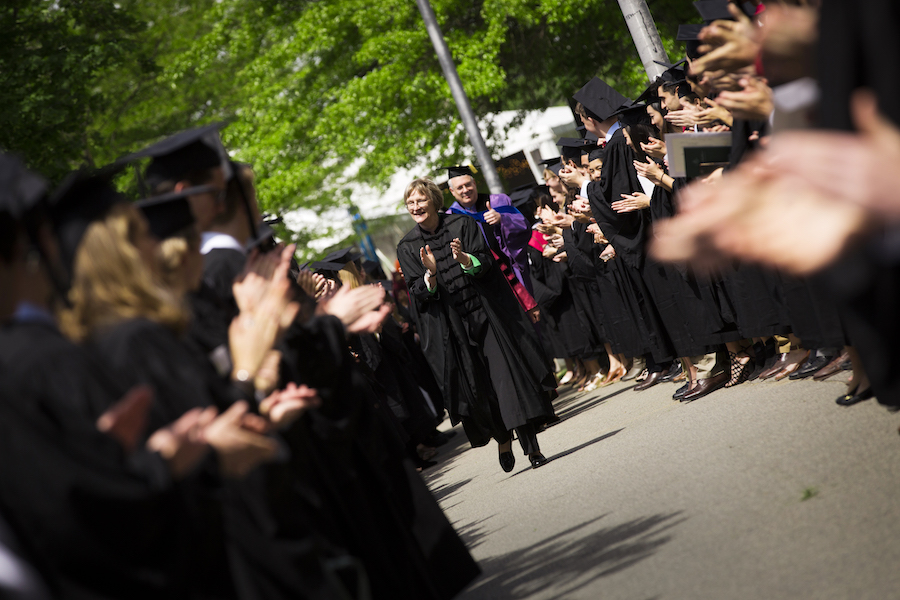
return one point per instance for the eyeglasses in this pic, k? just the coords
(420, 202)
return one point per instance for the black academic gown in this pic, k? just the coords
(269, 553)
(453, 321)
(627, 232)
(97, 523)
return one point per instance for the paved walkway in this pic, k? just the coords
(767, 490)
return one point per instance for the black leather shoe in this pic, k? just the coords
(680, 392)
(851, 399)
(507, 461)
(811, 367)
(652, 379)
(537, 460)
(673, 372)
(707, 386)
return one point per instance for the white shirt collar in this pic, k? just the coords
(612, 130)
(210, 240)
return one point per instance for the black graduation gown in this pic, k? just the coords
(566, 331)
(97, 523)
(388, 517)
(269, 554)
(213, 305)
(450, 322)
(627, 232)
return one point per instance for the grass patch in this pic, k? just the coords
(808, 493)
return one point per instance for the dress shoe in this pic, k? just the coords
(436, 439)
(507, 461)
(780, 363)
(707, 386)
(674, 371)
(680, 392)
(831, 368)
(851, 399)
(652, 379)
(792, 365)
(812, 366)
(537, 460)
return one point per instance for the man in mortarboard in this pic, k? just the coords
(504, 228)
(188, 159)
(600, 106)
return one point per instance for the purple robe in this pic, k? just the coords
(511, 237)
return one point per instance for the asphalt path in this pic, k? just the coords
(765, 490)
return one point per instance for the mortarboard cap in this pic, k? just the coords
(182, 153)
(713, 10)
(634, 115)
(600, 98)
(521, 194)
(342, 256)
(651, 92)
(690, 35)
(20, 189)
(458, 171)
(82, 198)
(555, 167)
(170, 213)
(264, 239)
(572, 148)
(597, 153)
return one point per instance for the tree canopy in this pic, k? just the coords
(312, 89)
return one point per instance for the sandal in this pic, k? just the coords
(740, 372)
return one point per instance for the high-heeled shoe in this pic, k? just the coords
(790, 367)
(740, 372)
(614, 376)
(507, 461)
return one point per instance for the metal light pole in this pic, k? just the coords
(646, 37)
(459, 96)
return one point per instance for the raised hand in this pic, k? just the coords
(428, 260)
(125, 420)
(350, 305)
(239, 449)
(182, 444)
(654, 147)
(729, 45)
(283, 407)
(753, 102)
(491, 216)
(650, 169)
(459, 255)
(631, 202)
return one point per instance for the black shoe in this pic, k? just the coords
(537, 460)
(673, 372)
(680, 392)
(811, 367)
(436, 439)
(851, 399)
(507, 461)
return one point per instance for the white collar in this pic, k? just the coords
(612, 130)
(210, 240)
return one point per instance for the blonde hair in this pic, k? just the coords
(172, 254)
(427, 188)
(112, 283)
(349, 276)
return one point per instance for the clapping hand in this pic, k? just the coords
(428, 260)
(458, 255)
(283, 407)
(631, 202)
(650, 169)
(654, 147)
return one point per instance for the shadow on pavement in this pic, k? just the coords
(570, 560)
(572, 450)
(573, 403)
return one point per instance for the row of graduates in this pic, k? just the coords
(603, 295)
(181, 414)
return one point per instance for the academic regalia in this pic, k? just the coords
(386, 514)
(509, 239)
(453, 322)
(858, 48)
(61, 480)
(568, 336)
(627, 232)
